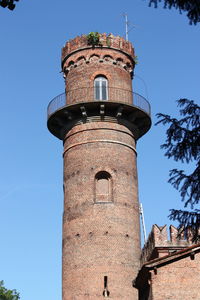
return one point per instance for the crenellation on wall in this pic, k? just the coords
(160, 244)
(108, 41)
(175, 276)
(159, 235)
(174, 232)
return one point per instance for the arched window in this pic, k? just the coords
(103, 187)
(101, 88)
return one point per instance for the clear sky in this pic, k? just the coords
(31, 194)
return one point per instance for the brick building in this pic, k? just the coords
(99, 118)
(170, 269)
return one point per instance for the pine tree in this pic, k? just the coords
(8, 3)
(183, 144)
(192, 7)
(6, 294)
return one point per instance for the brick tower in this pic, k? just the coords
(99, 119)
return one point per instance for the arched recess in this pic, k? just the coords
(71, 63)
(128, 66)
(108, 58)
(119, 61)
(103, 187)
(94, 58)
(80, 60)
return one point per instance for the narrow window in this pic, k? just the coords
(101, 88)
(103, 187)
(106, 293)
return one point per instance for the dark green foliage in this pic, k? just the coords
(190, 221)
(192, 7)
(93, 38)
(183, 144)
(8, 294)
(8, 3)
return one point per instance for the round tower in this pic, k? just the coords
(99, 119)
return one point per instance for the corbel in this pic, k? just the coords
(155, 270)
(119, 111)
(192, 255)
(83, 111)
(68, 114)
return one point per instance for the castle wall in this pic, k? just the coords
(169, 267)
(178, 280)
(160, 244)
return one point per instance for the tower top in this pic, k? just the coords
(98, 69)
(103, 40)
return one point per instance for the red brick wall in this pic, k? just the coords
(100, 239)
(81, 67)
(115, 42)
(177, 281)
(160, 244)
(101, 234)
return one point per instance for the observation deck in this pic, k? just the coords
(83, 108)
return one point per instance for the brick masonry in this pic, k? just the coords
(84, 63)
(170, 267)
(178, 280)
(100, 238)
(159, 244)
(101, 234)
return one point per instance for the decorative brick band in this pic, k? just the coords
(81, 58)
(100, 141)
(98, 128)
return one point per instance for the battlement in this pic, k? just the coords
(105, 41)
(158, 244)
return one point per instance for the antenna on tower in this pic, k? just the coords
(127, 24)
(143, 222)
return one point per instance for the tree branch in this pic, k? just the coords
(192, 7)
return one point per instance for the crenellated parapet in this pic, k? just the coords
(108, 41)
(160, 244)
(110, 51)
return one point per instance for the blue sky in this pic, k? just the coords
(31, 198)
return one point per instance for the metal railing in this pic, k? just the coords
(89, 95)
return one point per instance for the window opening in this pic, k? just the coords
(101, 88)
(106, 292)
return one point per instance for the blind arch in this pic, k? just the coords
(103, 187)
